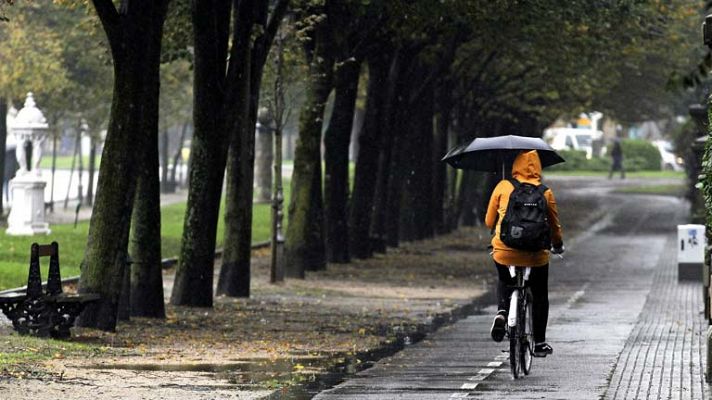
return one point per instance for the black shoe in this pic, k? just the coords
(498, 327)
(542, 349)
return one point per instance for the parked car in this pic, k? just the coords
(670, 161)
(572, 139)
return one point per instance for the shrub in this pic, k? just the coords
(576, 161)
(640, 155)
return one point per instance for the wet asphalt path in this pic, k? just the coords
(597, 293)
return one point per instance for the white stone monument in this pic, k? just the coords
(27, 216)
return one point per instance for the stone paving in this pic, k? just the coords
(621, 325)
(663, 357)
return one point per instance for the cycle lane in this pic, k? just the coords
(597, 294)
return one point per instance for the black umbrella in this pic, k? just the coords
(490, 154)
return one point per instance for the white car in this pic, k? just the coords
(668, 159)
(572, 139)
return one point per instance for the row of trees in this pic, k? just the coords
(429, 75)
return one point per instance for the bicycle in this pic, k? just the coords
(519, 323)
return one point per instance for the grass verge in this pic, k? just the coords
(15, 250)
(637, 174)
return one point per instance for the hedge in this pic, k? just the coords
(638, 155)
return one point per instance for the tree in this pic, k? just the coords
(304, 245)
(235, 271)
(134, 32)
(32, 60)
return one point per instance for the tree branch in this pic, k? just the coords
(275, 19)
(109, 17)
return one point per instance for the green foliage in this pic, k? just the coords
(705, 178)
(639, 155)
(576, 161)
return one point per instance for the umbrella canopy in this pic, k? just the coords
(489, 154)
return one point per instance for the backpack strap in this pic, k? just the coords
(514, 182)
(542, 188)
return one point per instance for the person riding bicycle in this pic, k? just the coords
(526, 169)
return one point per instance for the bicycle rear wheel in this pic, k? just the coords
(526, 339)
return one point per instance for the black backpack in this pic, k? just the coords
(526, 223)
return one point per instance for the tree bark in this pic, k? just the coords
(165, 186)
(416, 211)
(336, 156)
(304, 246)
(92, 171)
(389, 70)
(440, 182)
(369, 153)
(194, 274)
(134, 34)
(146, 295)
(235, 271)
(234, 277)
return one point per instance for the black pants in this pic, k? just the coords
(539, 284)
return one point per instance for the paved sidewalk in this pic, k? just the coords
(664, 355)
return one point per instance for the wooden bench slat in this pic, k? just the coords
(45, 250)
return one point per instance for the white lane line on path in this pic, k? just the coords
(469, 386)
(495, 364)
(485, 371)
(459, 395)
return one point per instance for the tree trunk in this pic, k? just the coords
(362, 199)
(135, 37)
(194, 274)
(336, 156)
(416, 212)
(440, 201)
(386, 102)
(263, 164)
(178, 154)
(166, 187)
(146, 296)
(3, 139)
(235, 271)
(92, 171)
(234, 277)
(304, 246)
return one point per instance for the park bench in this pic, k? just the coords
(44, 312)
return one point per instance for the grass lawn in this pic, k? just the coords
(65, 162)
(638, 174)
(15, 250)
(665, 190)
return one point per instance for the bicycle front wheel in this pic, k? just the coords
(515, 353)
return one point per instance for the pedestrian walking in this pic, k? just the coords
(542, 226)
(617, 156)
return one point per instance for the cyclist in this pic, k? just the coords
(526, 169)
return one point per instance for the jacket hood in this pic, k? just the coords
(527, 167)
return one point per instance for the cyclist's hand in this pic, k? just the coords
(558, 249)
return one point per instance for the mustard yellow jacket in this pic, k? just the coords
(526, 168)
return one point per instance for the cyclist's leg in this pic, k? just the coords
(504, 286)
(504, 291)
(539, 284)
